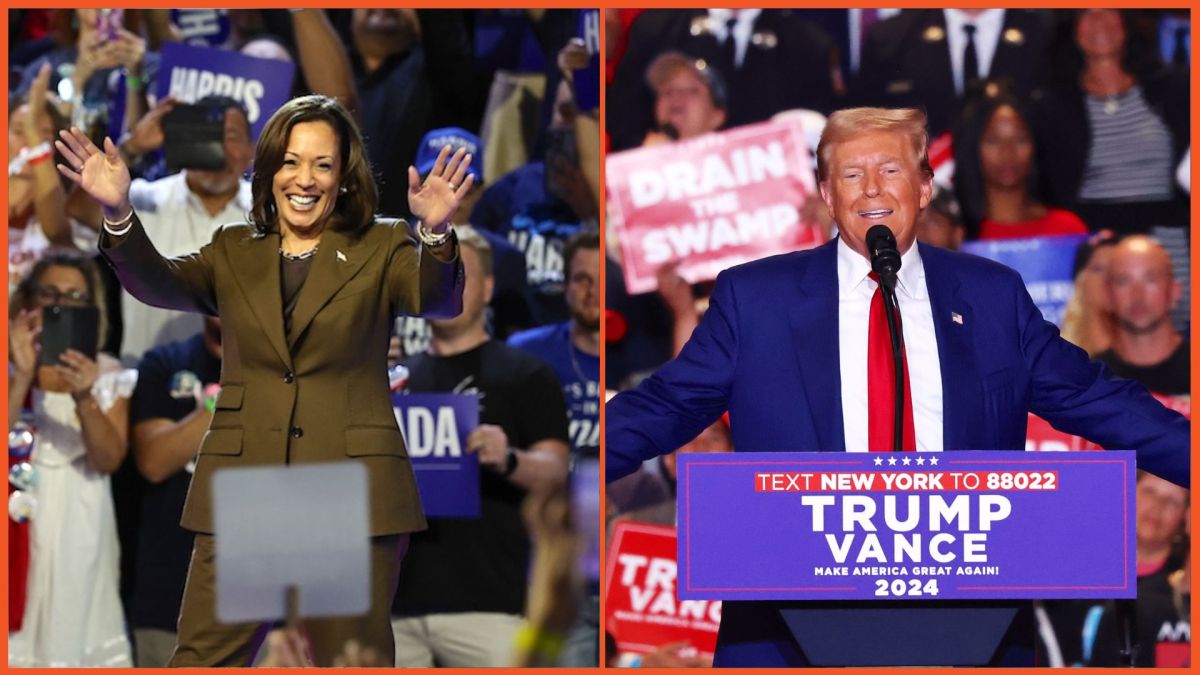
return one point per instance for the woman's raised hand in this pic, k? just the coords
(103, 175)
(435, 200)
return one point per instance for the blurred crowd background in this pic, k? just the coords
(1043, 124)
(102, 441)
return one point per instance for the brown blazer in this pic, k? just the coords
(320, 393)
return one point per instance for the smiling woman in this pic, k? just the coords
(305, 187)
(311, 173)
(297, 328)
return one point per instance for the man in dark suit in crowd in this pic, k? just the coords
(929, 58)
(750, 48)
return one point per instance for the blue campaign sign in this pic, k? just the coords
(190, 73)
(1043, 262)
(203, 27)
(587, 80)
(906, 526)
(435, 428)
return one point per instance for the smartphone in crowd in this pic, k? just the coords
(194, 137)
(66, 328)
(109, 23)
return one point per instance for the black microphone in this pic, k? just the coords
(885, 257)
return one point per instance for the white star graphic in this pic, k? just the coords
(920, 461)
(907, 461)
(891, 461)
(933, 461)
(878, 461)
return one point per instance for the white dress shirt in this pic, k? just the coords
(988, 26)
(177, 223)
(742, 30)
(855, 289)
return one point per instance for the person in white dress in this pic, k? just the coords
(38, 219)
(79, 410)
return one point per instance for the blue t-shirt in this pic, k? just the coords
(579, 374)
(164, 548)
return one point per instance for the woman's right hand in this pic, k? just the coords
(103, 175)
(22, 342)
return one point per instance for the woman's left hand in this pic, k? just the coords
(435, 200)
(78, 371)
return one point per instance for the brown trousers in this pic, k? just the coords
(203, 642)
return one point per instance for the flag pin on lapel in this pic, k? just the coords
(956, 318)
(342, 257)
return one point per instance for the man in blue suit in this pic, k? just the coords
(784, 348)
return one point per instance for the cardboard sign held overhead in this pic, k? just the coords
(304, 526)
(711, 202)
(191, 73)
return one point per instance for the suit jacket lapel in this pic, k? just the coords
(255, 263)
(814, 327)
(954, 325)
(337, 260)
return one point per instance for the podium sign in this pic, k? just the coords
(906, 526)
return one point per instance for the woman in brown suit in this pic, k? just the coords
(306, 292)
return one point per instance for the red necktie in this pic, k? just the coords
(881, 382)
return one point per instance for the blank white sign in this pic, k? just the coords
(304, 525)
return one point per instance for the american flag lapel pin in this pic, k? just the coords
(956, 318)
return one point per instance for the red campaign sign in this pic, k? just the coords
(1041, 436)
(643, 612)
(712, 202)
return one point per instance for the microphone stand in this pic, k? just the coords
(1126, 611)
(885, 262)
(892, 309)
